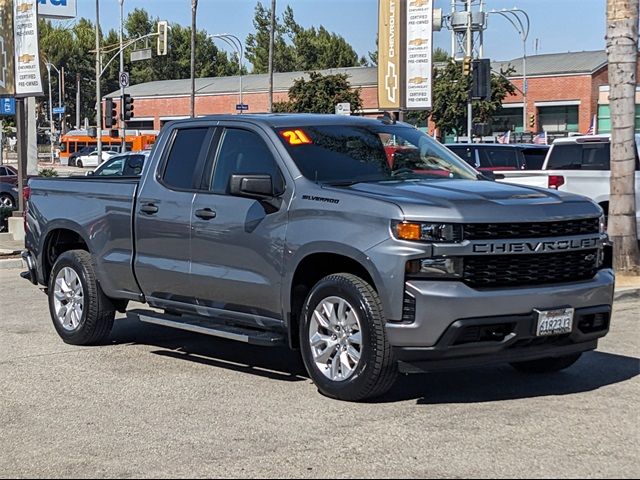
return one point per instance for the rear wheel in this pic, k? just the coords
(82, 314)
(547, 365)
(343, 339)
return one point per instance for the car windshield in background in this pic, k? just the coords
(341, 154)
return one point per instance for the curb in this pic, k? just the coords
(10, 263)
(627, 294)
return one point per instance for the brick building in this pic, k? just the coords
(565, 91)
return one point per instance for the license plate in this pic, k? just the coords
(554, 322)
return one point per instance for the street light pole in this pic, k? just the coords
(98, 94)
(123, 125)
(194, 11)
(50, 111)
(235, 43)
(272, 34)
(515, 17)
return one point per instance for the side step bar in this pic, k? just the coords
(208, 326)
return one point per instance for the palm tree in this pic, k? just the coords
(622, 48)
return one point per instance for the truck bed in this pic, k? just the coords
(101, 209)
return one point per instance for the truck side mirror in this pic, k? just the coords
(259, 187)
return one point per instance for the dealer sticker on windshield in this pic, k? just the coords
(554, 322)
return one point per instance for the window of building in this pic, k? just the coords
(140, 124)
(604, 119)
(508, 119)
(558, 119)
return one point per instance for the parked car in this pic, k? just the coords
(496, 157)
(294, 230)
(8, 174)
(8, 194)
(126, 165)
(580, 165)
(92, 159)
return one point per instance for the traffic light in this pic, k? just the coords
(128, 107)
(110, 114)
(532, 120)
(162, 45)
(466, 66)
(481, 75)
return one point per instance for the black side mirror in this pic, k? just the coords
(259, 187)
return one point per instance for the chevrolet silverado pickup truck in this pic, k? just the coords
(295, 230)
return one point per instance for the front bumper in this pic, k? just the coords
(443, 308)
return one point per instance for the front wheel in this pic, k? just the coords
(547, 365)
(82, 314)
(79, 163)
(343, 341)
(7, 201)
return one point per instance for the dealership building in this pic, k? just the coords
(566, 91)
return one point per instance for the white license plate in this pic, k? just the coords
(554, 322)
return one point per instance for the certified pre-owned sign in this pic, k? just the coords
(390, 53)
(25, 37)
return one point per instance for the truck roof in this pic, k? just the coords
(280, 120)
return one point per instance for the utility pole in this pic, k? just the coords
(78, 101)
(123, 124)
(194, 11)
(272, 35)
(98, 94)
(63, 120)
(50, 111)
(470, 54)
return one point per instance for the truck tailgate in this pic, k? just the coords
(529, 178)
(100, 210)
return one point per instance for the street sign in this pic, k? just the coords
(59, 110)
(124, 79)
(242, 107)
(7, 106)
(343, 108)
(143, 54)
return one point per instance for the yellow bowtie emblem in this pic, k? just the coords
(26, 58)
(25, 7)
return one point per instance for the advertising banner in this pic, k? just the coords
(419, 36)
(28, 82)
(390, 54)
(7, 86)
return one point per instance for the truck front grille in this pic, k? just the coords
(518, 270)
(493, 231)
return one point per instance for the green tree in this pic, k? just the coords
(320, 94)
(297, 47)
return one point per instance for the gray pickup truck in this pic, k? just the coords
(363, 243)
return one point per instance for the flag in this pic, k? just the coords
(594, 126)
(505, 137)
(541, 139)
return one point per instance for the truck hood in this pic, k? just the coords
(477, 201)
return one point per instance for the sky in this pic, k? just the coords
(556, 25)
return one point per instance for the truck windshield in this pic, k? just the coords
(343, 154)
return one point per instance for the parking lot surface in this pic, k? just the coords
(155, 402)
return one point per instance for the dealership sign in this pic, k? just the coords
(57, 8)
(405, 33)
(28, 81)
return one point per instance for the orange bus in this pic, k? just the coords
(76, 140)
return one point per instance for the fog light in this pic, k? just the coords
(435, 268)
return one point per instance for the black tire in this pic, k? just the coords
(79, 163)
(98, 310)
(376, 371)
(7, 200)
(547, 365)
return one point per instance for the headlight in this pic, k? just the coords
(603, 223)
(435, 268)
(427, 232)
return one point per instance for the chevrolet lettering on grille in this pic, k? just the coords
(536, 247)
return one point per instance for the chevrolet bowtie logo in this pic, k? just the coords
(391, 82)
(26, 58)
(419, 3)
(3, 64)
(25, 7)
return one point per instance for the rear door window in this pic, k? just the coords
(581, 156)
(534, 158)
(184, 163)
(468, 154)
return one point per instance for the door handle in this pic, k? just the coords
(206, 214)
(149, 208)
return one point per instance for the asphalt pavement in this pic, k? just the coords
(155, 402)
